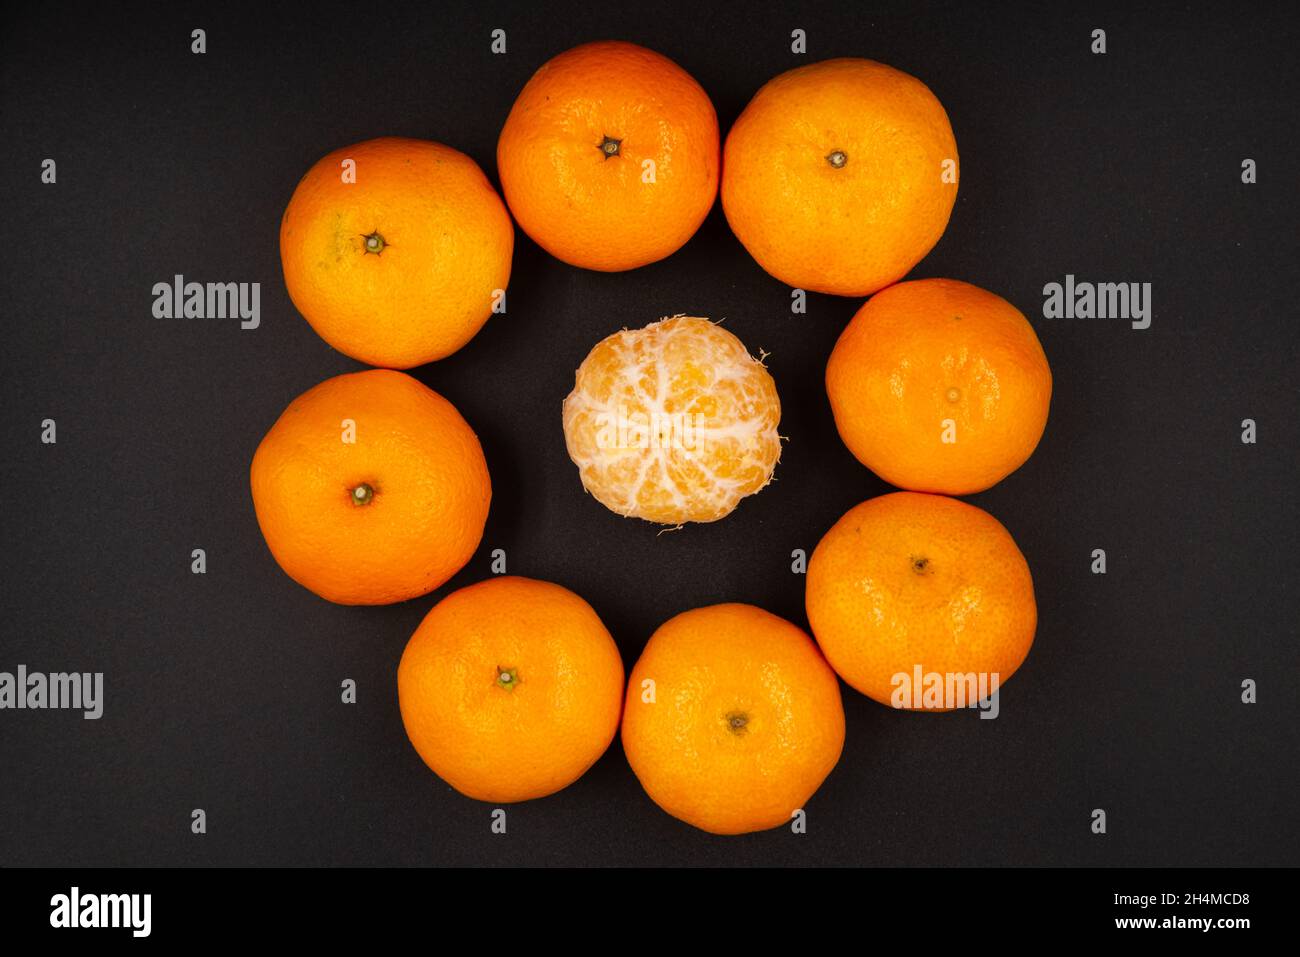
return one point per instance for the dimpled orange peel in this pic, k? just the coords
(510, 689)
(840, 176)
(733, 718)
(939, 386)
(609, 158)
(396, 250)
(909, 582)
(371, 488)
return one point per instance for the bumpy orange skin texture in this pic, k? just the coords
(712, 668)
(528, 738)
(933, 359)
(447, 240)
(849, 230)
(909, 579)
(672, 423)
(421, 460)
(597, 211)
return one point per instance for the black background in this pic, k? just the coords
(222, 690)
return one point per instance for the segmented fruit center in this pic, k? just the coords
(673, 423)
